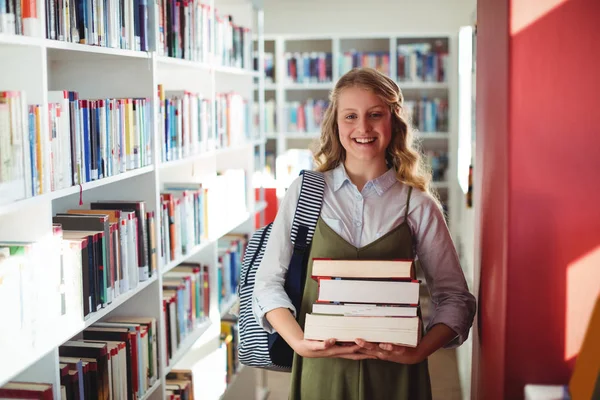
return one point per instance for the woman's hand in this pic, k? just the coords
(328, 348)
(390, 352)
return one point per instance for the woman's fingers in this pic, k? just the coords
(392, 348)
(366, 345)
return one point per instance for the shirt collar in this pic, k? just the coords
(381, 184)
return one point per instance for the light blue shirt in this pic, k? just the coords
(361, 217)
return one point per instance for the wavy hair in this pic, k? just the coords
(403, 152)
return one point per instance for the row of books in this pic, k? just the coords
(313, 67)
(234, 122)
(269, 65)
(422, 62)
(186, 119)
(186, 31)
(114, 359)
(375, 300)
(233, 43)
(378, 60)
(19, 18)
(186, 303)
(428, 115)
(114, 246)
(84, 140)
(92, 257)
(231, 251)
(230, 342)
(438, 160)
(305, 116)
(111, 23)
(179, 385)
(183, 223)
(188, 124)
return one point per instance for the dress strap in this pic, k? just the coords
(407, 203)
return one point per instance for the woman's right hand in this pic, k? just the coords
(328, 348)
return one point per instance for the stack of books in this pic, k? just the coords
(373, 300)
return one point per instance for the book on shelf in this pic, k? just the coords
(269, 65)
(230, 341)
(308, 67)
(231, 250)
(85, 140)
(233, 43)
(427, 115)
(233, 120)
(375, 300)
(186, 303)
(19, 17)
(112, 23)
(183, 219)
(305, 116)
(179, 385)
(185, 117)
(378, 60)
(422, 62)
(26, 390)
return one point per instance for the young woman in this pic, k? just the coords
(377, 205)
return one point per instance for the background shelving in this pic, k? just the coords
(422, 64)
(35, 65)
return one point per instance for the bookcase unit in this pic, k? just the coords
(338, 52)
(35, 65)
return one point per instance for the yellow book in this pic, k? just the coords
(587, 366)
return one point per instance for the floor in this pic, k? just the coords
(443, 370)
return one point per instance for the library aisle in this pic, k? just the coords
(128, 154)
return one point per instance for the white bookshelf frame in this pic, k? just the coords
(449, 188)
(40, 363)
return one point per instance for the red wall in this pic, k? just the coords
(538, 99)
(491, 180)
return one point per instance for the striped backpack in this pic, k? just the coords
(256, 347)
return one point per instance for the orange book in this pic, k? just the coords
(587, 367)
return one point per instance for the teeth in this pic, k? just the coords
(364, 140)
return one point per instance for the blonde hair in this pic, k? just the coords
(403, 152)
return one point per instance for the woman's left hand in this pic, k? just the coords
(390, 352)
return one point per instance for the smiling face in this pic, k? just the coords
(365, 125)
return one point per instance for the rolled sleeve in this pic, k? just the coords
(453, 304)
(269, 293)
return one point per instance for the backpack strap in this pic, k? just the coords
(306, 216)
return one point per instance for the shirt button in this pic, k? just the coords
(358, 223)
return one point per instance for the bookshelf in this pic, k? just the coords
(284, 94)
(36, 67)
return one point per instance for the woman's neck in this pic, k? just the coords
(361, 173)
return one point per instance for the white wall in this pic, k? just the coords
(366, 16)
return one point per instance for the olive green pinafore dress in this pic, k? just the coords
(342, 379)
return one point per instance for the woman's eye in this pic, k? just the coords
(376, 115)
(351, 116)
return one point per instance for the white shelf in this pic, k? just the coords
(151, 390)
(32, 201)
(231, 225)
(226, 307)
(20, 40)
(86, 48)
(164, 61)
(422, 85)
(207, 155)
(308, 86)
(186, 344)
(236, 71)
(98, 315)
